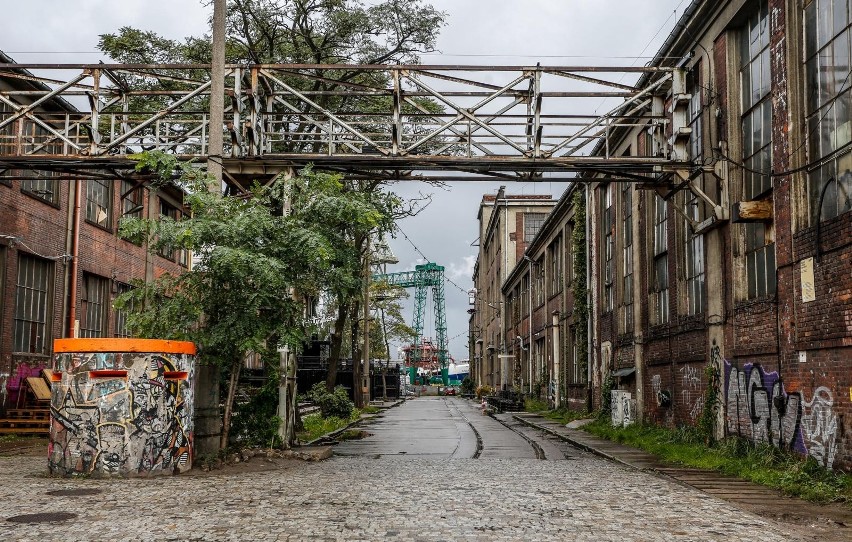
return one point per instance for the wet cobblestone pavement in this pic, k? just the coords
(381, 497)
(356, 498)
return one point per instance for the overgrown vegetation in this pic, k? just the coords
(315, 425)
(484, 391)
(332, 404)
(712, 403)
(535, 404)
(606, 397)
(762, 464)
(578, 285)
(237, 298)
(564, 415)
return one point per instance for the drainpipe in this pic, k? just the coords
(74, 268)
(555, 324)
(529, 327)
(69, 247)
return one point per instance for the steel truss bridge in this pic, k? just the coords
(368, 121)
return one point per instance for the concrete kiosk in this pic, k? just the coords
(121, 407)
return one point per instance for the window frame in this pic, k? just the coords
(95, 302)
(659, 261)
(627, 257)
(608, 247)
(35, 300)
(532, 225)
(92, 203)
(756, 104)
(824, 96)
(119, 328)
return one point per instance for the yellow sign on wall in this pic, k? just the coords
(807, 272)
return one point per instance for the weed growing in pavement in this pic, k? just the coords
(762, 464)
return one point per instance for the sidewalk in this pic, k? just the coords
(825, 522)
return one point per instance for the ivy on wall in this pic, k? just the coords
(578, 286)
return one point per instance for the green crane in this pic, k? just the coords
(428, 275)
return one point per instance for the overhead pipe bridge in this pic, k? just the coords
(366, 121)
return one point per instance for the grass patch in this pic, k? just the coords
(533, 404)
(369, 409)
(564, 415)
(317, 426)
(761, 464)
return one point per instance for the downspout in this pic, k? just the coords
(530, 326)
(69, 247)
(74, 267)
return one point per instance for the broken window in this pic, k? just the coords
(99, 202)
(694, 253)
(532, 223)
(829, 107)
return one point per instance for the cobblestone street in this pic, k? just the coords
(381, 497)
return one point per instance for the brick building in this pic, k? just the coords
(543, 328)
(507, 223)
(61, 260)
(744, 265)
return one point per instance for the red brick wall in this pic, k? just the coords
(43, 229)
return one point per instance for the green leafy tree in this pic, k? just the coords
(390, 325)
(250, 257)
(306, 32)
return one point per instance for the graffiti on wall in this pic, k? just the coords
(690, 391)
(622, 406)
(760, 409)
(134, 424)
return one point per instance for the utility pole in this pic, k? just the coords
(208, 421)
(217, 94)
(364, 385)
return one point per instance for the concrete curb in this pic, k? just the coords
(334, 434)
(576, 443)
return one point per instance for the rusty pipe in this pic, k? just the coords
(75, 252)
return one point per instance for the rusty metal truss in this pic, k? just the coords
(374, 121)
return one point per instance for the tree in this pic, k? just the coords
(308, 32)
(390, 326)
(250, 257)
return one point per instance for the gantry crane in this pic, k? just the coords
(424, 276)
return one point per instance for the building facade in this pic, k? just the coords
(61, 261)
(545, 328)
(726, 292)
(507, 224)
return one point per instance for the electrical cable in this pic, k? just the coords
(814, 163)
(420, 252)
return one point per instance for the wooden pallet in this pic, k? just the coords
(38, 431)
(25, 420)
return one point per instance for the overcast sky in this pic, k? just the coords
(496, 32)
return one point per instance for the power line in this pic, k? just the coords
(448, 279)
